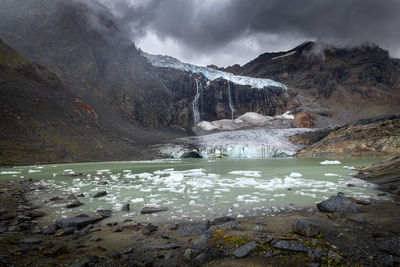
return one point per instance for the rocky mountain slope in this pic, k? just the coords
(336, 86)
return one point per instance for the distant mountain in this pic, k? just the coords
(335, 85)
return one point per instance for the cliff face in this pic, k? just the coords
(336, 86)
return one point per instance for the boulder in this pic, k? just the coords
(149, 228)
(71, 197)
(78, 222)
(197, 229)
(126, 207)
(105, 213)
(100, 194)
(49, 230)
(305, 227)
(338, 203)
(74, 204)
(245, 250)
(291, 245)
(148, 210)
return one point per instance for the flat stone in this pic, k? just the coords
(30, 241)
(162, 247)
(391, 245)
(74, 204)
(245, 250)
(78, 222)
(340, 204)
(148, 210)
(100, 194)
(291, 245)
(197, 229)
(305, 227)
(356, 219)
(65, 231)
(126, 207)
(105, 213)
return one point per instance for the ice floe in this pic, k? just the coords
(330, 162)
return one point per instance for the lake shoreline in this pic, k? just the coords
(345, 239)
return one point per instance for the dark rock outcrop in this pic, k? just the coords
(338, 203)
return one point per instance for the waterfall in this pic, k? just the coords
(195, 104)
(230, 100)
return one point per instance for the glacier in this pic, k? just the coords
(210, 73)
(254, 143)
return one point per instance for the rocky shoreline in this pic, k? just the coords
(340, 231)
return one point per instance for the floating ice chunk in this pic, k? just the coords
(247, 173)
(9, 172)
(295, 174)
(330, 162)
(33, 171)
(349, 167)
(144, 175)
(137, 200)
(331, 174)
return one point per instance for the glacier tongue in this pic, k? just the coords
(210, 73)
(255, 143)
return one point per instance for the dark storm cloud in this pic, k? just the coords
(208, 24)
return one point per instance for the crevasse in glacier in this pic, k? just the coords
(210, 73)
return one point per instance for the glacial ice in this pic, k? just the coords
(210, 73)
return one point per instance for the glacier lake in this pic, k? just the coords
(194, 190)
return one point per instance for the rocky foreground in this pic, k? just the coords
(339, 231)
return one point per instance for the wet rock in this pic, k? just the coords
(65, 231)
(100, 194)
(126, 207)
(305, 227)
(163, 247)
(36, 214)
(291, 245)
(56, 198)
(30, 241)
(148, 210)
(190, 254)
(105, 213)
(245, 250)
(189, 230)
(81, 195)
(102, 183)
(78, 222)
(71, 197)
(340, 204)
(149, 228)
(191, 155)
(74, 204)
(391, 245)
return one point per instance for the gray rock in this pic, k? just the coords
(305, 227)
(340, 204)
(100, 194)
(291, 245)
(162, 247)
(71, 197)
(356, 219)
(74, 204)
(190, 254)
(102, 183)
(315, 254)
(78, 222)
(105, 213)
(391, 245)
(30, 241)
(116, 229)
(245, 250)
(148, 210)
(126, 207)
(334, 256)
(49, 230)
(221, 220)
(197, 229)
(149, 228)
(200, 259)
(81, 195)
(204, 242)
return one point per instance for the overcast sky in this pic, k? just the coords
(225, 32)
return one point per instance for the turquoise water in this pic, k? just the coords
(195, 190)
